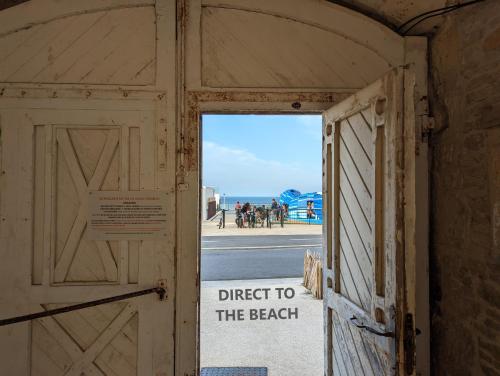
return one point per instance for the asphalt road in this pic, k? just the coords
(255, 257)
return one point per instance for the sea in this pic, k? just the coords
(228, 202)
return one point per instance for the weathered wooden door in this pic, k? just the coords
(53, 154)
(364, 236)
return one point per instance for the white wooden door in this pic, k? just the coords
(364, 235)
(53, 153)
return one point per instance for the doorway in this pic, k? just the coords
(263, 175)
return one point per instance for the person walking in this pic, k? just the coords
(274, 208)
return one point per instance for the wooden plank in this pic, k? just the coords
(62, 338)
(124, 147)
(108, 261)
(329, 176)
(49, 215)
(355, 152)
(47, 68)
(71, 159)
(145, 344)
(69, 250)
(89, 37)
(134, 182)
(362, 131)
(360, 240)
(358, 270)
(120, 356)
(328, 328)
(104, 160)
(109, 58)
(86, 265)
(359, 206)
(133, 265)
(30, 47)
(334, 217)
(353, 334)
(10, 45)
(416, 186)
(148, 152)
(362, 183)
(343, 356)
(104, 338)
(39, 204)
(348, 348)
(349, 288)
(371, 352)
(77, 326)
(134, 161)
(367, 115)
(48, 356)
(378, 210)
(340, 367)
(138, 34)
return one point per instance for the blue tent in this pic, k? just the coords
(298, 206)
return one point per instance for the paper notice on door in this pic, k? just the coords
(133, 215)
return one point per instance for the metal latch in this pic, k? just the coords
(162, 289)
(409, 344)
(357, 324)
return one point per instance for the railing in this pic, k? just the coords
(265, 216)
(304, 216)
(229, 207)
(160, 290)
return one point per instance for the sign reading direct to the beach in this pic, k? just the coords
(132, 215)
(260, 313)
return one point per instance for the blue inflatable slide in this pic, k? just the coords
(306, 207)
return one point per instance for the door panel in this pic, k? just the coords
(363, 185)
(52, 157)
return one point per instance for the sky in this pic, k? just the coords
(261, 155)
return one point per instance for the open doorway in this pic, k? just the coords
(261, 214)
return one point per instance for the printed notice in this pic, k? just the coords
(134, 215)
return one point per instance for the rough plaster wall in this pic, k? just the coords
(465, 254)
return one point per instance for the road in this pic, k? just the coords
(255, 257)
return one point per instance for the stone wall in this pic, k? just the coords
(465, 235)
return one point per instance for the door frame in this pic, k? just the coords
(188, 185)
(417, 189)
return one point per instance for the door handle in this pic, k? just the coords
(354, 321)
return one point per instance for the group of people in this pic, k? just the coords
(279, 210)
(250, 215)
(247, 214)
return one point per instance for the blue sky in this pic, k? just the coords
(262, 155)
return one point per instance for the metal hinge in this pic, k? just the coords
(409, 345)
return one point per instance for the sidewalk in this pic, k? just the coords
(285, 335)
(211, 228)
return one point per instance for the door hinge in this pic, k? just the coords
(409, 345)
